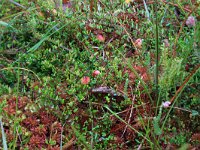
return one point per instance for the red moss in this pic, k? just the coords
(39, 130)
(46, 118)
(37, 141)
(31, 122)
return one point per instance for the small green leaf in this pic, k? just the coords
(195, 113)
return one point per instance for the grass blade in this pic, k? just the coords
(157, 52)
(3, 135)
(7, 25)
(127, 124)
(146, 9)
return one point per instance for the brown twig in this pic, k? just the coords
(184, 83)
(69, 143)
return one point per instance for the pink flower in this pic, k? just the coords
(95, 73)
(100, 37)
(138, 43)
(190, 22)
(85, 80)
(166, 104)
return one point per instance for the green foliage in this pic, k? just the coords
(172, 73)
(81, 139)
(179, 139)
(4, 89)
(45, 52)
(156, 121)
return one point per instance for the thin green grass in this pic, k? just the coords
(16, 124)
(5, 147)
(5, 24)
(157, 51)
(117, 116)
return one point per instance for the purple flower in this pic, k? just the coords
(166, 104)
(190, 22)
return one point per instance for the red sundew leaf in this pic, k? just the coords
(11, 110)
(39, 130)
(37, 141)
(31, 122)
(47, 119)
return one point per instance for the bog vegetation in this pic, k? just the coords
(99, 74)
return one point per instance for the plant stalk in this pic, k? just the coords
(157, 53)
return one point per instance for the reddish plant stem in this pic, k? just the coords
(184, 83)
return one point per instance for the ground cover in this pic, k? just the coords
(99, 74)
